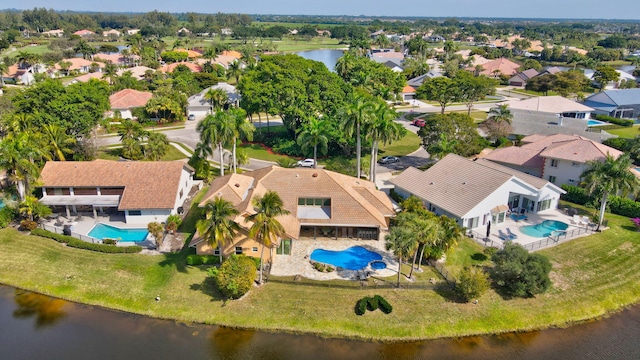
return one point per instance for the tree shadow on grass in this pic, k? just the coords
(208, 287)
(630, 228)
(479, 257)
(179, 260)
(447, 291)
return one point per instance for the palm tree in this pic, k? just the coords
(130, 129)
(3, 68)
(315, 133)
(266, 229)
(401, 241)
(218, 227)
(210, 53)
(18, 156)
(344, 65)
(242, 130)
(383, 129)
(353, 116)
(156, 147)
(610, 177)
(501, 114)
(450, 233)
(216, 129)
(234, 70)
(217, 98)
(443, 147)
(60, 142)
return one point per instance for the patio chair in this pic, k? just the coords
(511, 235)
(503, 236)
(576, 220)
(585, 220)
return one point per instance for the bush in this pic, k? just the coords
(286, 162)
(395, 196)
(319, 266)
(361, 306)
(490, 250)
(616, 204)
(383, 305)
(79, 244)
(612, 120)
(28, 224)
(575, 194)
(109, 241)
(195, 260)
(472, 283)
(7, 215)
(235, 276)
(520, 273)
(372, 304)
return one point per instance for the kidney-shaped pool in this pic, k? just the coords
(353, 258)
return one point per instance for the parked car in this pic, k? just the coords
(418, 122)
(191, 117)
(306, 163)
(388, 160)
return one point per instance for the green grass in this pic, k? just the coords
(114, 154)
(591, 277)
(38, 49)
(256, 151)
(408, 144)
(627, 132)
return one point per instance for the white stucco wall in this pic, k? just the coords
(147, 216)
(186, 183)
(565, 171)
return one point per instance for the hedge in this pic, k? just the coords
(361, 306)
(372, 304)
(383, 305)
(612, 120)
(617, 205)
(194, 260)
(79, 244)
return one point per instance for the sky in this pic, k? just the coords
(573, 9)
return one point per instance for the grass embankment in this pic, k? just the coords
(115, 152)
(592, 276)
(627, 132)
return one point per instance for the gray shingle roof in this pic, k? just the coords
(623, 96)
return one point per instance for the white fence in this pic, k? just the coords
(57, 230)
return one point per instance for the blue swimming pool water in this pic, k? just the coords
(103, 231)
(544, 228)
(518, 217)
(595, 122)
(378, 265)
(353, 258)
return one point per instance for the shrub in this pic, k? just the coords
(372, 304)
(79, 244)
(286, 162)
(195, 260)
(109, 241)
(28, 224)
(395, 196)
(575, 194)
(612, 120)
(235, 276)
(520, 273)
(319, 266)
(361, 306)
(472, 283)
(617, 205)
(329, 269)
(490, 250)
(383, 305)
(7, 215)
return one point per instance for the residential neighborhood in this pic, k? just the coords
(275, 173)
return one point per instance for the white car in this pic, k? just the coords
(306, 163)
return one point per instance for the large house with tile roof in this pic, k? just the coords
(475, 192)
(141, 191)
(497, 67)
(560, 159)
(127, 99)
(620, 103)
(552, 105)
(321, 203)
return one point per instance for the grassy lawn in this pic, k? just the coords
(37, 49)
(408, 144)
(477, 115)
(591, 276)
(114, 154)
(256, 151)
(627, 132)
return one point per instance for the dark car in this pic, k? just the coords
(388, 160)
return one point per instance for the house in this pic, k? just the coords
(321, 203)
(520, 79)
(137, 72)
(384, 56)
(419, 80)
(112, 33)
(552, 105)
(619, 103)
(408, 93)
(550, 71)
(169, 68)
(184, 31)
(84, 33)
(200, 106)
(79, 65)
(395, 67)
(53, 33)
(226, 31)
(117, 59)
(128, 99)
(622, 76)
(141, 191)
(132, 31)
(192, 54)
(22, 73)
(497, 67)
(560, 159)
(85, 78)
(476, 192)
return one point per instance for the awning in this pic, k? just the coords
(499, 209)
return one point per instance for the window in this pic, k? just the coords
(181, 193)
(574, 164)
(314, 202)
(571, 181)
(135, 212)
(552, 179)
(554, 163)
(238, 250)
(254, 249)
(473, 222)
(216, 252)
(544, 205)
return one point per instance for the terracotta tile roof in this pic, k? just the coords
(517, 156)
(84, 32)
(114, 58)
(147, 184)
(353, 202)
(129, 98)
(136, 71)
(539, 142)
(502, 65)
(169, 68)
(89, 76)
(190, 53)
(408, 89)
(232, 53)
(79, 63)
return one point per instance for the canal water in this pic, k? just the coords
(327, 57)
(34, 326)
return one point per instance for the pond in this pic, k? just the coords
(327, 57)
(34, 326)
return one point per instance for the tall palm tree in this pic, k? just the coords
(501, 114)
(610, 177)
(19, 155)
(59, 141)
(217, 129)
(210, 53)
(234, 70)
(450, 233)
(383, 129)
(355, 114)
(130, 129)
(217, 98)
(156, 147)
(218, 227)
(242, 130)
(266, 228)
(401, 241)
(314, 134)
(345, 64)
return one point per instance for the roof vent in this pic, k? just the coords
(236, 185)
(315, 175)
(464, 183)
(431, 183)
(297, 175)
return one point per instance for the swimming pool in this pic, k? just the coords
(595, 122)
(353, 258)
(104, 231)
(518, 217)
(544, 229)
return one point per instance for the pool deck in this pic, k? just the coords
(298, 263)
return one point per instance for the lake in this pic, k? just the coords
(327, 57)
(34, 326)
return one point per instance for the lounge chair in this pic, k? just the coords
(585, 220)
(511, 235)
(576, 220)
(503, 236)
